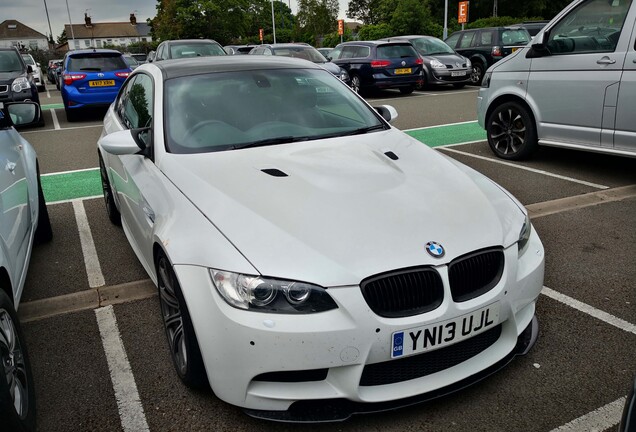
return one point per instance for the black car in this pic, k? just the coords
(16, 79)
(302, 51)
(380, 65)
(442, 65)
(188, 48)
(486, 46)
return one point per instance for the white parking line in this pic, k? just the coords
(546, 173)
(69, 172)
(48, 95)
(91, 260)
(62, 129)
(590, 310)
(131, 412)
(56, 123)
(598, 420)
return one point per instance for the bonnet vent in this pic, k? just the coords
(274, 172)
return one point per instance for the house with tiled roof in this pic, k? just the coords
(97, 35)
(14, 33)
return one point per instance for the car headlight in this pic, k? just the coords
(20, 84)
(469, 64)
(486, 81)
(436, 64)
(524, 236)
(262, 294)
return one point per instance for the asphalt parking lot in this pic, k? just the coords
(86, 289)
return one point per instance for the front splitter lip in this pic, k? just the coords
(338, 410)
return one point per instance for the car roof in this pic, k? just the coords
(287, 45)
(407, 37)
(370, 43)
(190, 41)
(92, 51)
(201, 65)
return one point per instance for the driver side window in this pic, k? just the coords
(593, 26)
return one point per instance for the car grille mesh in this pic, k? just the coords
(428, 363)
(475, 274)
(4, 88)
(404, 293)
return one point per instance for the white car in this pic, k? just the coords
(24, 220)
(38, 79)
(306, 252)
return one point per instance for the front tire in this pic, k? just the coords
(43, 233)
(407, 90)
(111, 208)
(17, 392)
(182, 341)
(511, 131)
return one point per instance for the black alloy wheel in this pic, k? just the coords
(182, 341)
(356, 86)
(17, 393)
(511, 131)
(111, 208)
(477, 74)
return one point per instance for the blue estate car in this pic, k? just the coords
(91, 78)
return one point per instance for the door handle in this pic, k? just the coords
(605, 61)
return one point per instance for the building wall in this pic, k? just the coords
(100, 42)
(27, 43)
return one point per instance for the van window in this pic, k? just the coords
(593, 26)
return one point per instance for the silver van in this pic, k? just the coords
(573, 86)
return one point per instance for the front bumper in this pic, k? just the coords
(445, 76)
(278, 366)
(74, 99)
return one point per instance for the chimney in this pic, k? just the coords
(133, 19)
(87, 20)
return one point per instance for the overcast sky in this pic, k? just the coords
(32, 12)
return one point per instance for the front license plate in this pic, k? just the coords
(101, 83)
(433, 336)
(458, 73)
(403, 71)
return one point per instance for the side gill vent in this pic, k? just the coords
(391, 155)
(274, 172)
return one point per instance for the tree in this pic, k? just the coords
(410, 17)
(367, 11)
(318, 17)
(62, 39)
(375, 31)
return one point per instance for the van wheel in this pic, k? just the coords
(477, 75)
(511, 131)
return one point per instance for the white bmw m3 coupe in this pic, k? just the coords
(312, 261)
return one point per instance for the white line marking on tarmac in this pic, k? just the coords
(70, 172)
(56, 123)
(91, 260)
(131, 411)
(549, 174)
(48, 95)
(590, 310)
(62, 129)
(596, 421)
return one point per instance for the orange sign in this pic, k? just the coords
(462, 12)
(260, 34)
(340, 27)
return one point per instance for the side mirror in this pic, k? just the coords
(539, 47)
(127, 142)
(387, 112)
(19, 114)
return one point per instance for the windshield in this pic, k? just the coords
(515, 37)
(28, 60)
(233, 110)
(302, 52)
(10, 62)
(196, 50)
(131, 61)
(430, 46)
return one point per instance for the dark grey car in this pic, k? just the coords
(442, 65)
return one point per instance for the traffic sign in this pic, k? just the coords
(462, 12)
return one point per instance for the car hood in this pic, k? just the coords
(344, 210)
(8, 77)
(331, 67)
(446, 59)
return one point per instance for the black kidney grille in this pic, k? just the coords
(475, 274)
(403, 293)
(428, 363)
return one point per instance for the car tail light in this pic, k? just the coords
(69, 78)
(380, 63)
(496, 51)
(419, 61)
(122, 74)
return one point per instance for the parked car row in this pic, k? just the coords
(17, 82)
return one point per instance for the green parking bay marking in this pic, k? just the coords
(52, 106)
(72, 185)
(87, 183)
(449, 134)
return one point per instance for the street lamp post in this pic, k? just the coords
(48, 19)
(71, 25)
(273, 22)
(445, 34)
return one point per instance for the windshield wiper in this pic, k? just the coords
(364, 130)
(270, 141)
(96, 69)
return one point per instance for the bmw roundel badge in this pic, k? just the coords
(435, 249)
